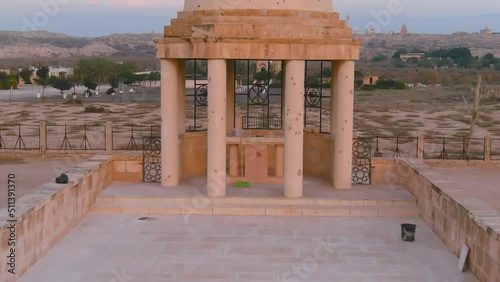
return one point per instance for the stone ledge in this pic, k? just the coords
(47, 214)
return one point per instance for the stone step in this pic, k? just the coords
(410, 211)
(247, 201)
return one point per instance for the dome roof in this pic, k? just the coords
(302, 5)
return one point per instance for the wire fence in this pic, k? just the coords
(20, 136)
(130, 137)
(76, 137)
(454, 148)
(386, 146)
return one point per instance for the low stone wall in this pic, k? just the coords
(194, 154)
(127, 168)
(52, 210)
(456, 219)
(318, 155)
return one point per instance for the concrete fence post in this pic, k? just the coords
(420, 147)
(109, 137)
(43, 137)
(487, 149)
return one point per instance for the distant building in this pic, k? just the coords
(370, 80)
(7, 71)
(60, 72)
(404, 30)
(264, 65)
(406, 57)
(486, 30)
(371, 30)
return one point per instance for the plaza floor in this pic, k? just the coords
(123, 248)
(481, 185)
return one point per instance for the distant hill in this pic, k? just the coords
(44, 44)
(387, 44)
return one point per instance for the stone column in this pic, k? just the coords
(109, 136)
(230, 96)
(43, 137)
(487, 149)
(181, 78)
(420, 147)
(169, 123)
(216, 166)
(333, 94)
(344, 111)
(332, 99)
(294, 128)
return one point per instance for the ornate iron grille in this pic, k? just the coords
(361, 161)
(317, 95)
(273, 123)
(197, 96)
(151, 161)
(260, 96)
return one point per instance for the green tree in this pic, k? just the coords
(263, 75)
(42, 78)
(153, 76)
(25, 75)
(62, 84)
(95, 71)
(398, 53)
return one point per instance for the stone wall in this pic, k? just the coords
(51, 211)
(318, 155)
(455, 219)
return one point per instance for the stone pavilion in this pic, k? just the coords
(221, 31)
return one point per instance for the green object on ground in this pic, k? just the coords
(242, 184)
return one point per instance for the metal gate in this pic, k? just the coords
(361, 161)
(151, 159)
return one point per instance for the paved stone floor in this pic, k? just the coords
(112, 248)
(481, 185)
(313, 188)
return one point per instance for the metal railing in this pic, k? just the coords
(20, 136)
(454, 148)
(76, 137)
(399, 146)
(130, 137)
(262, 123)
(109, 137)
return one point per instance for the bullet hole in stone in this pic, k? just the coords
(297, 119)
(299, 173)
(169, 176)
(290, 128)
(213, 112)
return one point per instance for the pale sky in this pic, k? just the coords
(100, 17)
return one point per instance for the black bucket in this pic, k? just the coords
(408, 232)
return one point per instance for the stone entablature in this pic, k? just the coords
(258, 34)
(302, 5)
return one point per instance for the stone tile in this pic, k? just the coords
(209, 248)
